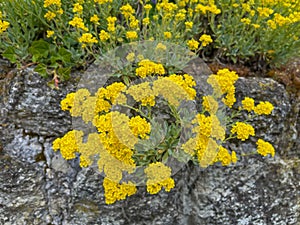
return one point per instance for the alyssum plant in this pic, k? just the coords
(142, 127)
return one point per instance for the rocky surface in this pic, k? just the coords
(39, 187)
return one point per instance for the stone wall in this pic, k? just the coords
(39, 187)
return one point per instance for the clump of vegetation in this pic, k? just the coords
(59, 35)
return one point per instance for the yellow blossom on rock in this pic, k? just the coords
(68, 144)
(264, 148)
(159, 175)
(210, 104)
(243, 130)
(264, 108)
(140, 127)
(248, 104)
(114, 191)
(233, 157)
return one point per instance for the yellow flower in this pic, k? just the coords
(210, 104)
(167, 35)
(205, 39)
(130, 57)
(50, 33)
(242, 130)
(271, 24)
(104, 36)
(233, 157)
(127, 10)
(78, 23)
(248, 104)
(147, 7)
(87, 38)
(134, 23)
(245, 20)
(193, 44)
(114, 191)
(255, 25)
(3, 26)
(160, 46)
(131, 35)
(189, 25)
(94, 19)
(77, 8)
(48, 3)
(140, 127)
(264, 108)
(146, 21)
(68, 144)
(50, 15)
(264, 148)
(159, 175)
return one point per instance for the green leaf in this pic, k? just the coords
(10, 54)
(65, 55)
(39, 49)
(64, 73)
(41, 69)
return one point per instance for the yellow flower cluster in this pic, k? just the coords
(243, 130)
(208, 8)
(147, 68)
(87, 38)
(181, 86)
(127, 11)
(264, 148)
(68, 144)
(140, 127)
(111, 20)
(50, 14)
(210, 104)
(104, 36)
(48, 3)
(223, 83)
(225, 157)
(78, 23)
(205, 39)
(50, 33)
(3, 26)
(263, 108)
(131, 35)
(159, 175)
(114, 191)
(248, 104)
(142, 93)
